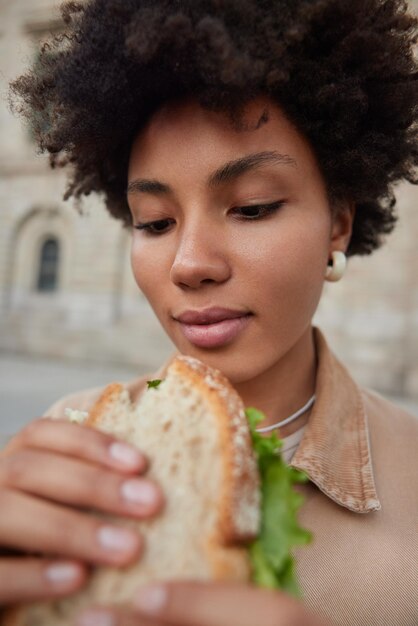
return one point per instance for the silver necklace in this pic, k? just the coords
(289, 419)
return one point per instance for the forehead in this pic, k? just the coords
(187, 133)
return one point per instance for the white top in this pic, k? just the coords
(290, 444)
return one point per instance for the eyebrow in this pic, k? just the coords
(233, 169)
(227, 172)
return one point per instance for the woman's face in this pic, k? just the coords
(238, 233)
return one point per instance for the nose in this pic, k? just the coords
(201, 258)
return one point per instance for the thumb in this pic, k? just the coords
(221, 604)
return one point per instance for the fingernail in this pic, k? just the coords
(151, 599)
(125, 454)
(117, 539)
(62, 573)
(139, 492)
(95, 618)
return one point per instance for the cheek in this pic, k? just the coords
(136, 264)
(291, 266)
(146, 268)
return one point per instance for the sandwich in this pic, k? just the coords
(231, 508)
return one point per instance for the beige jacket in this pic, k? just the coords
(361, 504)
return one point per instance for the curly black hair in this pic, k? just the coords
(343, 71)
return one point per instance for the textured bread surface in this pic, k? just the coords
(193, 429)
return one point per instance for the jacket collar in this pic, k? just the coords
(335, 450)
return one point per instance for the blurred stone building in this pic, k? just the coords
(65, 283)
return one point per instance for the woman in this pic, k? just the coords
(251, 147)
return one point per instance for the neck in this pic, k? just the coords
(285, 387)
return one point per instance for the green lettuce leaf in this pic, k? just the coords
(271, 553)
(153, 383)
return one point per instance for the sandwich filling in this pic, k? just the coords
(273, 564)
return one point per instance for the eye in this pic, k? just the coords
(257, 211)
(158, 227)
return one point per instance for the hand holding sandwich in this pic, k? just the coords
(50, 473)
(205, 604)
(229, 510)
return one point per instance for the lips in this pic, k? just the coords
(209, 316)
(213, 327)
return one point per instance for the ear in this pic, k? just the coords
(342, 225)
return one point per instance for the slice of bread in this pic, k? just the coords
(193, 429)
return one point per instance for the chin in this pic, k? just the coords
(239, 360)
(234, 363)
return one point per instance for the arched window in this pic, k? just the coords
(48, 265)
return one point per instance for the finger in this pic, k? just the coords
(31, 524)
(115, 617)
(80, 441)
(28, 579)
(215, 604)
(79, 483)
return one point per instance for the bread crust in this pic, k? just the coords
(110, 394)
(240, 501)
